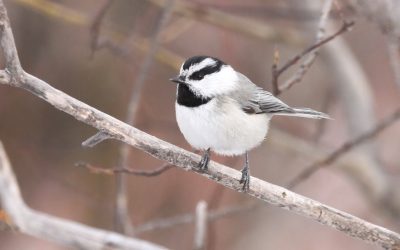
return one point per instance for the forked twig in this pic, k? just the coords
(276, 72)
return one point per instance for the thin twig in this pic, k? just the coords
(224, 175)
(394, 57)
(275, 75)
(232, 22)
(71, 234)
(345, 27)
(112, 171)
(95, 139)
(122, 219)
(187, 218)
(346, 147)
(111, 40)
(309, 60)
(96, 25)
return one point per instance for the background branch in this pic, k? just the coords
(122, 217)
(47, 227)
(185, 160)
(112, 171)
(235, 23)
(96, 25)
(276, 72)
(346, 147)
(201, 224)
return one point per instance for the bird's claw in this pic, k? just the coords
(245, 180)
(203, 164)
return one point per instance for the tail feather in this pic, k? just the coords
(305, 112)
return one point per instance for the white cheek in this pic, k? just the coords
(222, 82)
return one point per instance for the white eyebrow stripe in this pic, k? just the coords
(205, 63)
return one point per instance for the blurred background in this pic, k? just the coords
(105, 52)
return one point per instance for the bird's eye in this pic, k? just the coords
(197, 75)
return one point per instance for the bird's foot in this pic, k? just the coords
(245, 180)
(205, 159)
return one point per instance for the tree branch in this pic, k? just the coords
(231, 22)
(190, 217)
(112, 38)
(185, 160)
(346, 147)
(112, 171)
(200, 231)
(96, 25)
(122, 217)
(47, 227)
(309, 60)
(276, 72)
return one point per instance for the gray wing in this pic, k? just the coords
(255, 100)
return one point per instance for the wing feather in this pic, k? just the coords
(254, 99)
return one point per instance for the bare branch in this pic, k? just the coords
(7, 45)
(276, 73)
(224, 175)
(345, 27)
(112, 171)
(200, 231)
(47, 227)
(95, 139)
(122, 218)
(298, 76)
(231, 22)
(96, 25)
(394, 57)
(346, 147)
(190, 217)
(111, 39)
(185, 160)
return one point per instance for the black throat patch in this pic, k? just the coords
(187, 98)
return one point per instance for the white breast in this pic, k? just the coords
(222, 126)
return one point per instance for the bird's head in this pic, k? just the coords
(207, 76)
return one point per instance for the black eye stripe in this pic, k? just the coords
(198, 75)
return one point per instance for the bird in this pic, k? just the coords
(220, 110)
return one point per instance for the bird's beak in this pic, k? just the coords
(177, 79)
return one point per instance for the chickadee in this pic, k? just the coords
(220, 109)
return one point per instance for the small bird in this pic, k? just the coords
(219, 109)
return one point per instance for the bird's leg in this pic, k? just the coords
(205, 159)
(246, 174)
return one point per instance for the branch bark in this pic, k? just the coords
(183, 159)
